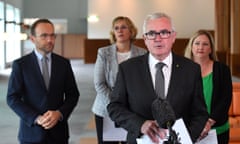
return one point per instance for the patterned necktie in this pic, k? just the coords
(159, 81)
(45, 72)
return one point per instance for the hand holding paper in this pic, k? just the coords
(164, 114)
(180, 129)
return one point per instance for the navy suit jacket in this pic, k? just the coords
(29, 98)
(134, 93)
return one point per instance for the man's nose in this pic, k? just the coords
(158, 37)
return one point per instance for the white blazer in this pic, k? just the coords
(105, 73)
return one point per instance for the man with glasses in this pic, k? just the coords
(42, 90)
(135, 88)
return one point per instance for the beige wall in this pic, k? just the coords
(188, 15)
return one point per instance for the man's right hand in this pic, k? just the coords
(49, 119)
(151, 128)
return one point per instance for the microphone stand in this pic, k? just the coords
(173, 136)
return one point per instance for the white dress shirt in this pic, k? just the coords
(49, 61)
(167, 69)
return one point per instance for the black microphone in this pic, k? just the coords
(163, 112)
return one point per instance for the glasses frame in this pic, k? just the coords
(45, 36)
(164, 34)
(117, 28)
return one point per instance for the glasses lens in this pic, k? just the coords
(164, 34)
(45, 36)
(151, 35)
(120, 28)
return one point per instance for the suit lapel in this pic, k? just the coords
(175, 79)
(55, 69)
(147, 76)
(134, 51)
(36, 69)
(113, 63)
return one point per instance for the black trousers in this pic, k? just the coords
(223, 138)
(99, 128)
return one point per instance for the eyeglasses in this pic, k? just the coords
(45, 36)
(164, 34)
(120, 28)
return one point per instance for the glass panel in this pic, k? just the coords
(12, 45)
(17, 42)
(1, 32)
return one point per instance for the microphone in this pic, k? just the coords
(163, 112)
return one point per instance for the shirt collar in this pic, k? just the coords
(39, 55)
(153, 61)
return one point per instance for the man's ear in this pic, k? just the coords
(143, 36)
(32, 38)
(145, 39)
(174, 36)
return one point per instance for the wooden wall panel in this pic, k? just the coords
(227, 13)
(92, 45)
(90, 49)
(73, 46)
(235, 64)
(235, 38)
(58, 49)
(70, 45)
(222, 26)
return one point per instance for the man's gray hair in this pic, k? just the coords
(155, 16)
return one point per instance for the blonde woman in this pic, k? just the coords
(217, 82)
(122, 36)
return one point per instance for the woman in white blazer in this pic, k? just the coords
(122, 35)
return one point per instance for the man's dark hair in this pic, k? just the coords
(34, 25)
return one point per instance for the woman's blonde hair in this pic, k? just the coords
(188, 50)
(132, 28)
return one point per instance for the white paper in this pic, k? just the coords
(211, 138)
(179, 128)
(111, 133)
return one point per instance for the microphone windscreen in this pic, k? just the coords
(163, 112)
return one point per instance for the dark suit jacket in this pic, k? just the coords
(134, 93)
(28, 96)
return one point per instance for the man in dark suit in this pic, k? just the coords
(134, 91)
(43, 108)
